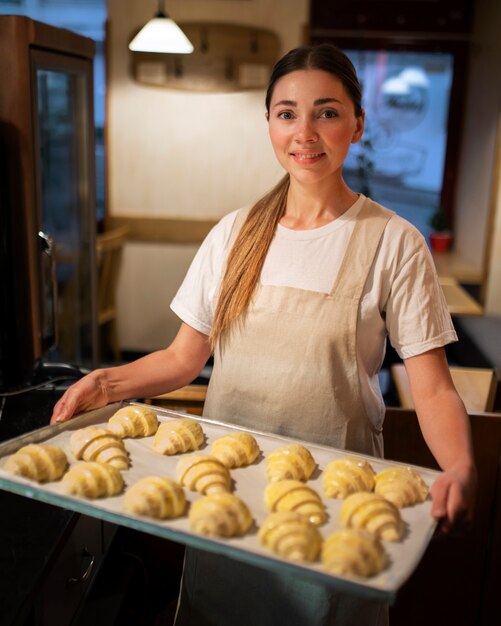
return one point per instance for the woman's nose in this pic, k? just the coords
(305, 131)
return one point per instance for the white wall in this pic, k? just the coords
(493, 292)
(478, 151)
(179, 154)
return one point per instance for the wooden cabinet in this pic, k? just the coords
(439, 16)
(70, 574)
(458, 580)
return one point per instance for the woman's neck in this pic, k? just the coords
(311, 207)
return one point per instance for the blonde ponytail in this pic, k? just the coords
(246, 259)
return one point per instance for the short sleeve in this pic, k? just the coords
(194, 301)
(417, 317)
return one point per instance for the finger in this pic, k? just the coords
(443, 528)
(57, 411)
(65, 408)
(456, 508)
(60, 414)
(439, 493)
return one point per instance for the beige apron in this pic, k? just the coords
(290, 367)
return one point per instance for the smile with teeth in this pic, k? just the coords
(311, 155)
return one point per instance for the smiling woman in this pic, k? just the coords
(296, 296)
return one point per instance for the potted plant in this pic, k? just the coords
(440, 235)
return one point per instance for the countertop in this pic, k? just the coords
(30, 531)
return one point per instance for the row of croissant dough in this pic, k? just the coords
(369, 515)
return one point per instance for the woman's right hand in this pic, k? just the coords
(90, 392)
(155, 373)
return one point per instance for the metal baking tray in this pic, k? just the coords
(249, 484)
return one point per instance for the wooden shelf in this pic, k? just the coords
(459, 301)
(227, 57)
(452, 265)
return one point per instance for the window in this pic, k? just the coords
(400, 161)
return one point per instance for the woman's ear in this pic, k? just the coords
(267, 116)
(359, 129)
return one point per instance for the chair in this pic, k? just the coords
(477, 387)
(189, 399)
(109, 247)
(459, 576)
(494, 397)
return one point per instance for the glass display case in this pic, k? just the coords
(47, 201)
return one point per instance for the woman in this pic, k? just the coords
(295, 297)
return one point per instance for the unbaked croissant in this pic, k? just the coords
(293, 461)
(374, 513)
(203, 473)
(291, 536)
(220, 515)
(133, 421)
(236, 449)
(180, 435)
(39, 462)
(98, 444)
(155, 496)
(92, 480)
(401, 485)
(353, 552)
(294, 495)
(347, 475)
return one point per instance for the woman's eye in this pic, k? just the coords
(285, 115)
(329, 113)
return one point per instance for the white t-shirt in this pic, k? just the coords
(402, 297)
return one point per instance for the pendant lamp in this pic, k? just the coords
(161, 34)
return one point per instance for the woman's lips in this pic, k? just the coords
(307, 158)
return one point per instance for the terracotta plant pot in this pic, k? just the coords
(440, 242)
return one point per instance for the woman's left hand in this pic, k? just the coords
(453, 497)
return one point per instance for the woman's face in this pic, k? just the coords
(312, 124)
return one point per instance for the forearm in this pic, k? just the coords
(156, 373)
(153, 374)
(446, 428)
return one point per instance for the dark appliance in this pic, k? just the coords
(48, 322)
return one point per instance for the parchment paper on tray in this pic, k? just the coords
(249, 484)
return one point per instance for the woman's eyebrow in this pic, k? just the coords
(289, 103)
(318, 102)
(326, 101)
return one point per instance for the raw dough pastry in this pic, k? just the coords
(220, 515)
(133, 421)
(401, 485)
(92, 480)
(291, 536)
(353, 552)
(155, 496)
(203, 473)
(346, 476)
(236, 449)
(175, 436)
(294, 495)
(38, 462)
(98, 444)
(293, 461)
(374, 513)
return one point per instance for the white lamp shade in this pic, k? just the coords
(161, 34)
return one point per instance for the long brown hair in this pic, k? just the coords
(246, 258)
